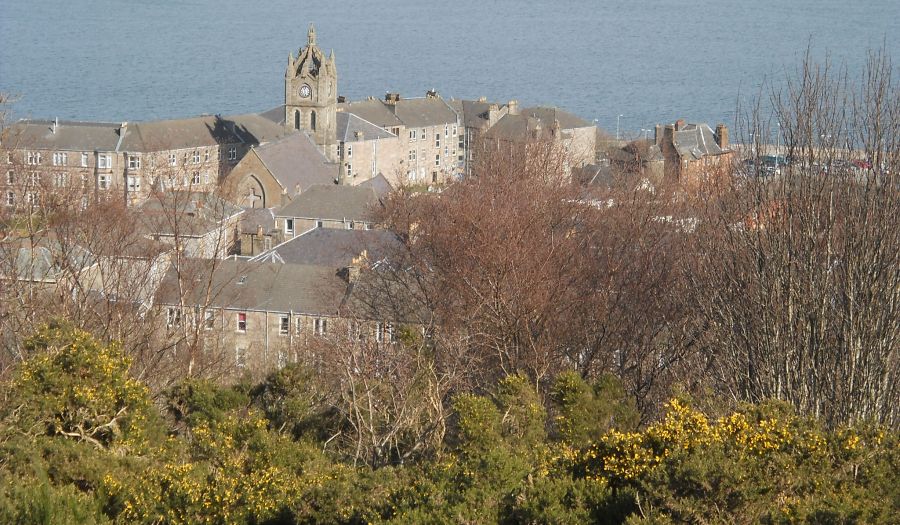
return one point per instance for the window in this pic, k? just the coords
(240, 357)
(282, 358)
(84, 202)
(349, 169)
(412, 155)
(312, 120)
(84, 180)
(446, 130)
(437, 140)
(32, 198)
(173, 159)
(84, 160)
(298, 325)
(232, 153)
(35, 178)
(104, 161)
(173, 317)
(423, 134)
(289, 226)
(412, 135)
(340, 149)
(437, 159)
(33, 158)
(267, 243)
(321, 326)
(319, 224)
(134, 184)
(10, 198)
(349, 151)
(351, 225)
(455, 129)
(209, 319)
(103, 182)
(284, 325)
(61, 180)
(195, 157)
(10, 177)
(134, 162)
(242, 322)
(379, 333)
(205, 177)
(389, 333)
(9, 158)
(60, 159)
(196, 178)
(206, 155)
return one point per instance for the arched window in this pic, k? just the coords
(312, 120)
(297, 119)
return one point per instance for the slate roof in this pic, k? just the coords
(549, 114)
(421, 112)
(333, 247)
(373, 110)
(379, 184)
(296, 162)
(46, 260)
(349, 125)
(473, 112)
(694, 141)
(517, 128)
(191, 214)
(254, 286)
(148, 136)
(253, 218)
(333, 203)
(69, 135)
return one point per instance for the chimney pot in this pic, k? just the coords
(679, 124)
(513, 106)
(722, 136)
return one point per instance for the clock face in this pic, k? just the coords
(305, 91)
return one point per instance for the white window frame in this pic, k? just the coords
(60, 158)
(284, 324)
(412, 155)
(10, 177)
(320, 326)
(33, 158)
(10, 198)
(232, 153)
(173, 159)
(349, 169)
(289, 226)
(196, 178)
(240, 357)
(84, 160)
(34, 178)
(173, 317)
(134, 183)
(298, 325)
(412, 135)
(349, 151)
(104, 181)
(209, 319)
(241, 325)
(195, 157)
(61, 179)
(104, 161)
(134, 162)
(437, 159)
(206, 155)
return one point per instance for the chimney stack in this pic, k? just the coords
(431, 93)
(392, 98)
(722, 136)
(679, 124)
(55, 125)
(513, 106)
(341, 99)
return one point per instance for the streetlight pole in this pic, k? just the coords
(617, 126)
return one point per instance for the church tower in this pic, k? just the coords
(310, 95)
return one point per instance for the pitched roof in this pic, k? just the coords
(517, 127)
(183, 133)
(65, 135)
(695, 141)
(549, 114)
(349, 127)
(333, 247)
(245, 285)
(296, 162)
(187, 213)
(44, 260)
(379, 184)
(334, 203)
(255, 128)
(473, 112)
(428, 111)
(253, 218)
(373, 110)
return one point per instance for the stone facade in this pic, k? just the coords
(310, 94)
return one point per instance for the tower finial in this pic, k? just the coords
(311, 35)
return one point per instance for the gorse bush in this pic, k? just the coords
(82, 443)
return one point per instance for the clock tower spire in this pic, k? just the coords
(310, 95)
